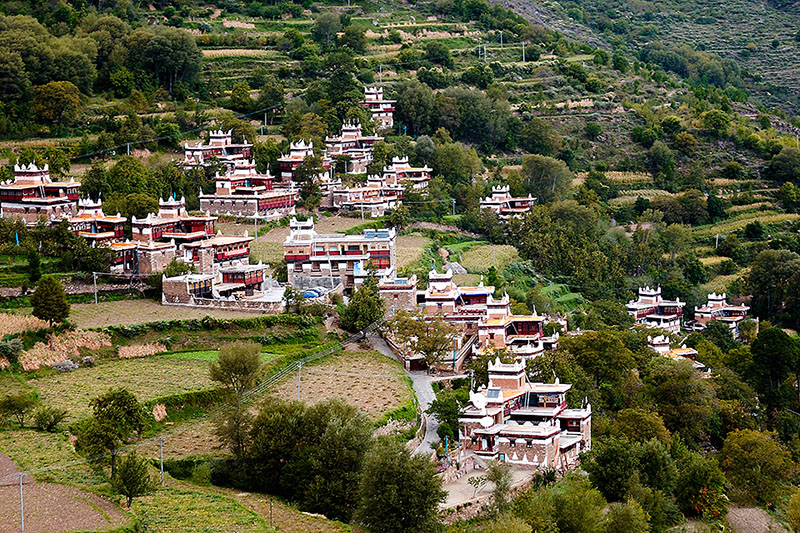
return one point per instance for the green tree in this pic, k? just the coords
(399, 492)
(611, 464)
(785, 166)
(325, 28)
(240, 97)
(238, 367)
(539, 137)
(272, 98)
(431, 338)
(700, 488)
(793, 512)
(592, 130)
(639, 425)
(364, 308)
(49, 301)
(720, 334)
(132, 478)
(19, 406)
(626, 517)
(57, 101)
(675, 238)
(716, 121)
(577, 507)
(546, 178)
(775, 356)
(117, 416)
(507, 523)
(34, 266)
(48, 418)
(499, 475)
(354, 38)
(757, 465)
(681, 395)
(415, 106)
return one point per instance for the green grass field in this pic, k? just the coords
(480, 258)
(209, 355)
(148, 378)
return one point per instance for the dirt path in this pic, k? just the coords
(752, 520)
(52, 507)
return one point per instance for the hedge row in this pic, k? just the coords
(212, 323)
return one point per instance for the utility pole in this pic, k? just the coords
(501, 38)
(453, 201)
(380, 73)
(299, 373)
(161, 457)
(21, 505)
(523, 51)
(94, 282)
(129, 148)
(484, 53)
(270, 513)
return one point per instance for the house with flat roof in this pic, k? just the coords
(528, 424)
(242, 191)
(291, 161)
(353, 145)
(373, 199)
(32, 195)
(173, 233)
(400, 172)
(487, 322)
(325, 260)
(718, 308)
(239, 286)
(505, 205)
(651, 310)
(382, 109)
(220, 146)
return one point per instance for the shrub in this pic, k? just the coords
(47, 418)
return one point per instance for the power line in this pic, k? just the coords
(247, 397)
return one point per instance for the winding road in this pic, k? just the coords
(423, 388)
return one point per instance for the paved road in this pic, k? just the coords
(422, 388)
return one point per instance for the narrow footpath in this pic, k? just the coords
(423, 388)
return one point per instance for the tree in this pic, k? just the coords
(354, 38)
(399, 492)
(47, 418)
(546, 178)
(675, 238)
(685, 143)
(132, 478)
(499, 474)
(135, 205)
(272, 98)
(720, 334)
(773, 281)
(312, 455)
(660, 159)
(775, 355)
(626, 517)
(18, 406)
(716, 121)
(430, 337)
(639, 425)
(238, 367)
(364, 308)
(700, 488)
(756, 465)
(539, 137)
(592, 130)
(793, 512)
(14, 82)
(507, 523)
(240, 97)
(34, 266)
(49, 301)
(117, 416)
(785, 166)
(326, 26)
(415, 106)
(611, 463)
(681, 396)
(57, 101)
